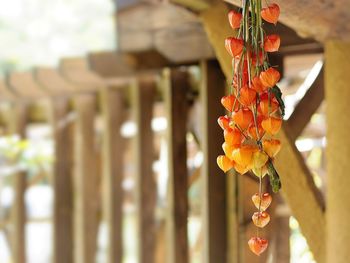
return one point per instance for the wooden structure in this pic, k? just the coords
(148, 67)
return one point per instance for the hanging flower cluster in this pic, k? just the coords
(255, 107)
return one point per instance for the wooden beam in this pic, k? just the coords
(143, 101)
(176, 109)
(195, 5)
(214, 181)
(112, 102)
(299, 15)
(62, 182)
(18, 126)
(306, 107)
(24, 85)
(300, 191)
(86, 180)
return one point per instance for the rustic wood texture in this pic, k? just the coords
(328, 18)
(18, 212)
(305, 200)
(196, 5)
(338, 150)
(62, 182)
(175, 90)
(164, 27)
(213, 179)
(24, 85)
(306, 107)
(113, 109)
(86, 180)
(146, 190)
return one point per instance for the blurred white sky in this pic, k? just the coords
(37, 32)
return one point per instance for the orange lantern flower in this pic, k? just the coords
(247, 96)
(269, 77)
(272, 43)
(259, 159)
(243, 118)
(261, 219)
(271, 13)
(228, 149)
(272, 125)
(235, 19)
(258, 245)
(243, 156)
(265, 108)
(234, 46)
(233, 137)
(257, 85)
(224, 122)
(272, 147)
(224, 163)
(260, 172)
(240, 169)
(229, 101)
(253, 134)
(266, 200)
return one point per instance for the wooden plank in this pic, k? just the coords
(214, 180)
(300, 191)
(112, 102)
(195, 5)
(62, 182)
(306, 107)
(177, 211)
(24, 85)
(18, 212)
(86, 180)
(146, 191)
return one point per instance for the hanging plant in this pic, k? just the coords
(255, 107)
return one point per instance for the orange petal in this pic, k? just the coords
(229, 101)
(234, 46)
(233, 136)
(272, 147)
(272, 125)
(266, 200)
(261, 219)
(224, 122)
(257, 85)
(272, 43)
(224, 163)
(243, 156)
(271, 13)
(243, 118)
(240, 169)
(265, 108)
(235, 19)
(247, 96)
(228, 149)
(258, 245)
(269, 77)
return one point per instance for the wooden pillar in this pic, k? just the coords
(214, 180)
(176, 108)
(337, 93)
(146, 192)
(62, 182)
(18, 126)
(86, 183)
(112, 103)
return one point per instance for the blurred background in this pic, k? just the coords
(137, 51)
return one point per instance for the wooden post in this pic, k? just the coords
(176, 108)
(18, 126)
(214, 180)
(112, 166)
(62, 182)
(338, 150)
(86, 188)
(146, 192)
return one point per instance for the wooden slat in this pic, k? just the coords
(177, 210)
(306, 107)
(112, 101)
(146, 191)
(300, 191)
(86, 188)
(18, 126)
(62, 182)
(214, 180)
(25, 86)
